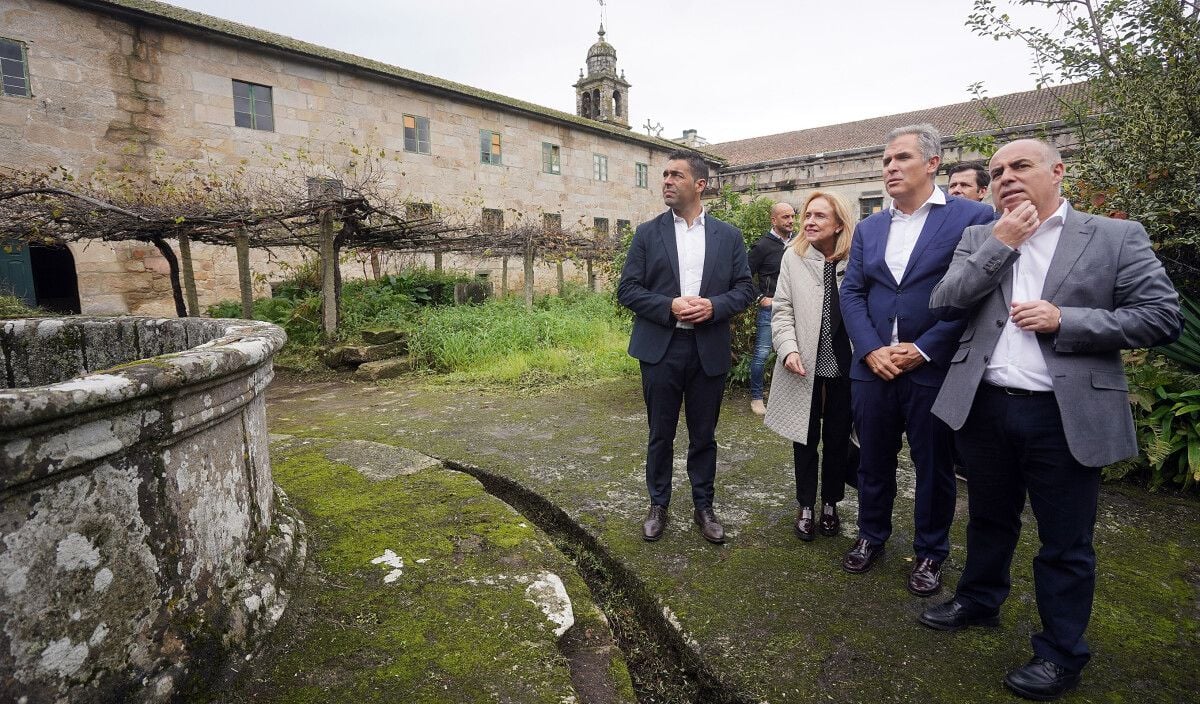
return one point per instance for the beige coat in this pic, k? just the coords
(796, 327)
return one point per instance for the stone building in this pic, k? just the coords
(602, 94)
(847, 158)
(143, 85)
(137, 83)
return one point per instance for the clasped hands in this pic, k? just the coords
(692, 309)
(889, 362)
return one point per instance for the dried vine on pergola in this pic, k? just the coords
(54, 209)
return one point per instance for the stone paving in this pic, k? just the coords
(765, 617)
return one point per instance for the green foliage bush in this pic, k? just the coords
(425, 286)
(751, 215)
(1186, 350)
(1166, 414)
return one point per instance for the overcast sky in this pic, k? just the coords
(729, 70)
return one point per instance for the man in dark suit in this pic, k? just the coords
(686, 275)
(1038, 396)
(901, 352)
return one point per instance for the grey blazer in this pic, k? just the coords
(1113, 294)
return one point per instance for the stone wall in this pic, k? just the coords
(117, 91)
(141, 538)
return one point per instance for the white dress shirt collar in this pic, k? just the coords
(679, 219)
(938, 197)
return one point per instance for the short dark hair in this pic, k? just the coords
(696, 163)
(982, 178)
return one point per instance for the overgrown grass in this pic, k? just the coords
(579, 337)
(13, 307)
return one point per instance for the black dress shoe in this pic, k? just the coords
(1041, 680)
(805, 526)
(925, 578)
(830, 523)
(862, 556)
(655, 524)
(955, 616)
(710, 527)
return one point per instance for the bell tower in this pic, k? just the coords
(602, 94)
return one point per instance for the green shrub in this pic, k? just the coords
(303, 280)
(1166, 415)
(367, 303)
(13, 307)
(300, 317)
(425, 287)
(1186, 350)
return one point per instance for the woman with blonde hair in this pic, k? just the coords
(810, 386)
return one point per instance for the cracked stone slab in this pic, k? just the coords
(377, 461)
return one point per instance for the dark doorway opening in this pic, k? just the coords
(54, 279)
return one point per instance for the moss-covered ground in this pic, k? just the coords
(449, 620)
(772, 618)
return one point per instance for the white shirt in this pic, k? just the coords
(904, 232)
(902, 238)
(689, 243)
(1017, 360)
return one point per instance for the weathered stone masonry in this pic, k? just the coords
(141, 540)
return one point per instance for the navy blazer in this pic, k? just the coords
(872, 299)
(650, 281)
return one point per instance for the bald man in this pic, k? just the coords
(764, 258)
(1037, 396)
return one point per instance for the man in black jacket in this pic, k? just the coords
(764, 260)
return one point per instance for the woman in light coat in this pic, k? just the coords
(811, 380)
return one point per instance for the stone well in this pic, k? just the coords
(141, 539)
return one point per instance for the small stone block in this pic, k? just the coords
(383, 369)
(381, 336)
(353, 355)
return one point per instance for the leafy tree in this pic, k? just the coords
(751, 215)
(1139, 156)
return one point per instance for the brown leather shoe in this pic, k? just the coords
(861, 557)
(655, 524)
(805, 526)
(710, 527)
(926, 577)
(830, 523)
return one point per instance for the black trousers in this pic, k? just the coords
(666, 386)
(1015, 446)
(829, 424)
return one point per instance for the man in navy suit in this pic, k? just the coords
(686, 275)
(901, 352)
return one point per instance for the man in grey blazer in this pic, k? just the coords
(1037, 396)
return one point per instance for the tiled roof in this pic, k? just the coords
(1015, 110)
(207, 23)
